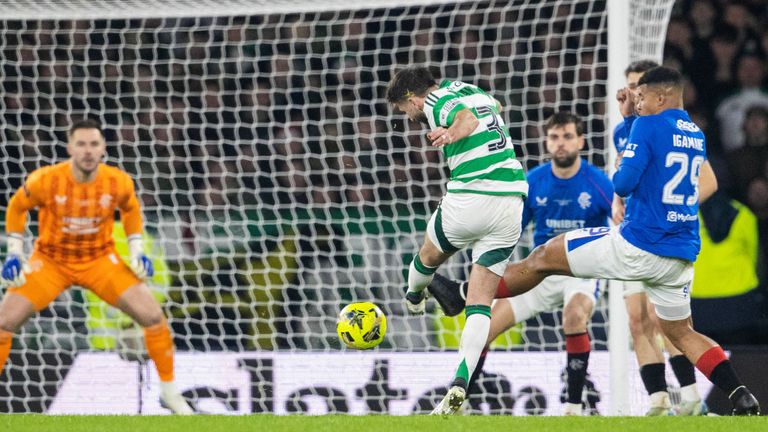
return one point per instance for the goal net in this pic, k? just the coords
(277, 186)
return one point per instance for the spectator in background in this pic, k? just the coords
(748, 162)
(703, 14)
(680, 36)
(738, 14)
(719, 78)
(726, 298)
(750, 75)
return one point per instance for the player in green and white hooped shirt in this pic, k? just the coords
(482, 208)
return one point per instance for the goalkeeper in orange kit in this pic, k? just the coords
(77, 199)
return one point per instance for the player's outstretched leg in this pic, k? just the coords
(483, 283)
(420, 274)
(655, 382)
(691, 403)
(452, 401)
(160, 349)
(449, 294)
(576, 315)
(452, 295)
(138, 302)
(710, 359)
(14, 310)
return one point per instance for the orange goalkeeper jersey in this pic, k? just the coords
(75, 219)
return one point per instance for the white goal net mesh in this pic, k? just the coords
(276, 183)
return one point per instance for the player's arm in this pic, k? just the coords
(527, 214)
(707, 182)
(450, 119)
(464, 122)
(618, 209)
(626, 179)
(635, 158)
(130, 217)
(26, 198)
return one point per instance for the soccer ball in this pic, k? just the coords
(361, 325)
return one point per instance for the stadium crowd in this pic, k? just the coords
(272, 114)
(722, 48)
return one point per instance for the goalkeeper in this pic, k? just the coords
(77, 200)
(108, 328)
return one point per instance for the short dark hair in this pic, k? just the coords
(759, 110)
(412, 81)
(563, 118)
(640, 66)
(85, 124)
(662, 75)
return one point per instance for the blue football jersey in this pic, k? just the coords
(558, 205)
(620, 137)
(660, 174)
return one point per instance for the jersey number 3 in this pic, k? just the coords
(681, 160)
(492, 123)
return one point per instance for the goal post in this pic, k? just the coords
(636, 31)
(278, 185)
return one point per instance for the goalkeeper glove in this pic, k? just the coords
(140, 263)
(15, 265)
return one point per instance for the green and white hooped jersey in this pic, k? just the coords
(484, 162)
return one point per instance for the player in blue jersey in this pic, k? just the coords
(642, 320)
(632, 73)
(564, 194)
(661, 170)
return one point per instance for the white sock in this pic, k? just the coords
(660, 399)
(168, 387)
(473, 339)
(419, 275)
(690, 393)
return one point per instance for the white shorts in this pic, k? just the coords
(489, 224)
(604, 254)
(552, 294)
(633, 287)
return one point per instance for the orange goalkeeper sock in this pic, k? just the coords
(5, 347)
(160, 349)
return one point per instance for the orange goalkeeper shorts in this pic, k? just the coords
(108, 277)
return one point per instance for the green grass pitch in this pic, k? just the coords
(271, 423)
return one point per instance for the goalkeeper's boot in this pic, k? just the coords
(173, 400)
(416, 301)
(448, 294)
(660, 405)
(452, 401)
(692, 408)
(744, 403)
(572, 409)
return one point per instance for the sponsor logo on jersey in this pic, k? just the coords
(541, 202)
(673, 216)
(565, 224)
(687, 126)
(80, 225)
(629, 151)
(622, 143)
(105, 200)
(585, 200)
(451, 104)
